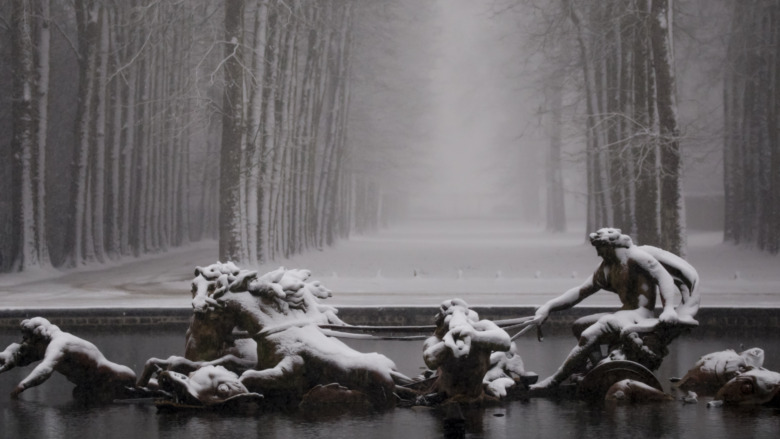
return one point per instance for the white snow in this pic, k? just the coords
(419, 262)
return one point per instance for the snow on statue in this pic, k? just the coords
(295, 361)
(756, 386)
(637, 274)
(472, 357)
(715, 369)
(80, 361)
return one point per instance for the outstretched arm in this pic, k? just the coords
(8, 358)
(17, 355)
(566, 300)
(41, 373)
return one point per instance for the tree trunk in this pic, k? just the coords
(231, 247)
(556, 209)
(672, 220)
(98, 177)
(39, 173)
(24, 134)
(254, 146)
(644, 147)
(86, 14)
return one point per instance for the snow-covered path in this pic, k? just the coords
(416, 263)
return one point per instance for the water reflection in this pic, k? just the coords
(49, 410)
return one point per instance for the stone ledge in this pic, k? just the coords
(711, 320)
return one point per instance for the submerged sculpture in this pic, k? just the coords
(714, 370)
(459, 351)
(77, 359)
(636, 274)
(207, 386)
(757, 386)
(631, 391)
(257, 338)
(214, 338)
(282, 314)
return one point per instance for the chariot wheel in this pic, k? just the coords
(594, 384)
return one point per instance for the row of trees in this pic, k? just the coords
(614, 62)
(633, 158)
(141, 125)
(752, 126)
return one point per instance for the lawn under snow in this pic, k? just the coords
(417, 263)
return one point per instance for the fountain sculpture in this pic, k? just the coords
(267, 339)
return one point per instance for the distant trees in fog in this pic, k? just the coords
(633, 156)
(751, 155)
(617, 58)
(141, 125)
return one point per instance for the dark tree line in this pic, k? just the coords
(617, 61)
(633, 146)
(135, 126)
(751, 154)
(610, 65)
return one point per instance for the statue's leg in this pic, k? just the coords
(280, 376)
(590, 340)
(583, 323)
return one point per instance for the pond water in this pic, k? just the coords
(49, 411)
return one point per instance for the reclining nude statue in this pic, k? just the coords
(636, 274)
(77, 359)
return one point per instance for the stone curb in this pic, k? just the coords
(712, 321)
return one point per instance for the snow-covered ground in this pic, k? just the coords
(421, 262)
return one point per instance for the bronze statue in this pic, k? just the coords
(460, 350)
(715, 369)
(213, 339)
(282, 314)
(756, 386)
(637, 275)
(630, 391)
(77, 359)
(507, 374)
(205, 387)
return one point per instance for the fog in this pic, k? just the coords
(353, 117)
(482, 135)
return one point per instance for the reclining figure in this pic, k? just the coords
(80, 361)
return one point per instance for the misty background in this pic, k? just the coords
(280, 126)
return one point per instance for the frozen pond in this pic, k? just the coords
(49, 411)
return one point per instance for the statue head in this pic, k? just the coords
(210, 280)
(208, 386)
(451, 309)
(609, 237)
(38, 328)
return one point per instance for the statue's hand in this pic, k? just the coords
(669, 316)
(6, 361)
(17, 390)
(541, 316)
